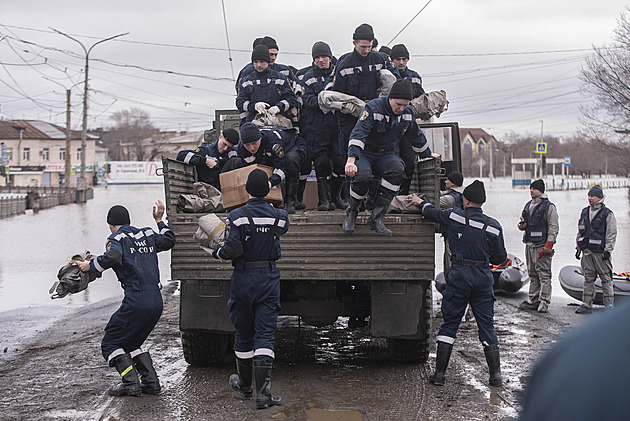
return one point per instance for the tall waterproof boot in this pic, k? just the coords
(372, 193)
(336, 187)
(404, 186)
(352, 211)
(242, 382)
(262, 372)
(441, 363)
(323, 192)
(130, 385)
(289, 198)
(299, 202)
(375, 222)
(494, 364)
(149, 381)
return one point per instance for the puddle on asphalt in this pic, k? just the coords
(316, 414)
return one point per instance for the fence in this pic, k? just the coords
(36, 198)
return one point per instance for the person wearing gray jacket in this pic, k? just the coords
(596, 237)
(539, 223)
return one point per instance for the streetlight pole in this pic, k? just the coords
(541, 139)
(81, 184)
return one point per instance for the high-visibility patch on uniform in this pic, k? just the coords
(108, 245)
(277, 150)
(364, 115)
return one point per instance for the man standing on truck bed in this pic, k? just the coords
(475, 240)
(252, 242)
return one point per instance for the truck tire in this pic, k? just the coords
(204, 348)
(415, 350)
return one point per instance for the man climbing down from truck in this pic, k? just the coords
(252, 242)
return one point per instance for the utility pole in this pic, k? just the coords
(68, 113)
(541, 139)
(82, 184)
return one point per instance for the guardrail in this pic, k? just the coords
(36, 198)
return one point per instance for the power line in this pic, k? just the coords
(227, 37)
(408, 23)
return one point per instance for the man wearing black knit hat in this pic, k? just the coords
(210, 159)
(132, 254)
(539, 223)
(252, 242)
(475, 240)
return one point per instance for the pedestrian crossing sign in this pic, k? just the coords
(541, 147)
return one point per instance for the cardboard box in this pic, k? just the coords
(311, 199)
(233, 187)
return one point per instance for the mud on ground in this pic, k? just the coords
(51, 368)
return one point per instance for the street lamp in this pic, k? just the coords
(81, 184)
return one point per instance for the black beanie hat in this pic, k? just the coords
(596, 191)
(475, 192)
(320, 48)
(399, 50)
(385, 49)
(374, 43)
(231, 136)
(261, 52)
(456, 178)
(257, 183)
(249, 133)
(363, 31)
(118, 215)
(270, 43)
(538, 185)
(256, 42)
(402, 89)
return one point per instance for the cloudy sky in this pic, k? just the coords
(505, 64)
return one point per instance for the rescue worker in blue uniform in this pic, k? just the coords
(209, 159)
(252, 242)
(264, 90)
(132, 254)
(400, 57)
(596, 238)
(272, 45)
(475, 240)
(373, 151)
(281, 148)
(357, 74)
(321, 131)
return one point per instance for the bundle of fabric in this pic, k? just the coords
(71, 279)
(387, 80)
(336, 101)
(429, 104)
(266, 119)
(210, 233)
(205, 198)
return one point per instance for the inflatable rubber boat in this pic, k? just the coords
(572, 282)
(510, 276)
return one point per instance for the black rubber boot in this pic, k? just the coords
(404, 186)
(323, 191)
(494, 364)
(372, 193)
(299, 202)
(336, 187)
(375, 222)
(242, 382)
(289, 198)
(262, 372)
(352, 211)
(130, 385)
(441, 363)
(149, 381)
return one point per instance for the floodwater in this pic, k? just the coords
(35, 246)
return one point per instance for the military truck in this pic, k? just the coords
(325, 273)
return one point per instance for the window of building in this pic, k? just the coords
(62, 154)
(26, 154)
(79, 154)
(45, 154)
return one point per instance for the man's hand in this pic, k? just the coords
(414, 199)
(351, 169)
(606, 255)
(435, 155)
(273, 110)
(84, 266)
(522, 225)
(261, 107)
(158, 211)
(274, 180)
(578, 252)
(211, 163)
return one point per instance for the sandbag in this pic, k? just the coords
(429, 104)
(336, 101)
(205, 198)
(210, 233)
(387, 80)
(266, 119)
(71, 279)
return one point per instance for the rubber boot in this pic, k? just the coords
(372, 193)
(404, 186)
(494, 365)
(242, 382)
(352, 211)
(262, 372)
(149, 381)
(375, 222)
(323, 191)
(283, 189)
(299, 202)
(441, 363)
(336, 187)
(130, 385)
(289, 198)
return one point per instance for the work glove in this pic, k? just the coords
(274, 180)
(547, 250)
(606, 255)
(261, 107)
(578, 253)
(273, 110)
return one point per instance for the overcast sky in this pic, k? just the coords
(505, 64)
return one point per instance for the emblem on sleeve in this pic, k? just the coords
(364, 115)
(277, 150)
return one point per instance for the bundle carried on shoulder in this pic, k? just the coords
(336, 101)
(267, 119)
(386, 81)
(71, 279)
(205, 198)
(429, 104)
(210, 233)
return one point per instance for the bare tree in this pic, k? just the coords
(131, 133)
(606, 74)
